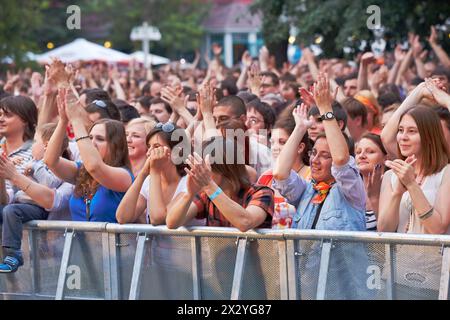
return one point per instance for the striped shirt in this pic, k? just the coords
(20, 158)
(371, 221)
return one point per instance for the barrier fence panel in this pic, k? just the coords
(67, 260)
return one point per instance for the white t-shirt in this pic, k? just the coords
(260, 156)
(182, 187)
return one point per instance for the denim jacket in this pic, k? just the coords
(344, 207)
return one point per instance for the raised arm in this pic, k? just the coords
(363, 82)
(309, 57)
(289, 153)
(114, 178)
(120, 93)
(65, 169)
(399, 55)
(417, 55)
(335, 138)
(441, 97)
(206, 101)
(389, 133)
(172, 97)
(403, 67)
(441, 54)
(246, 63)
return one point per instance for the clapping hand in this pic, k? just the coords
(404, 170)
(254, 79)
(246, 59)
(300, 114)
(200, 172)
(7, 168)
(307, 97)
(206, 98)
(372, 182)
(322, 94)
(59, 74)
(61, 103)
(172, 97)
(437, 92)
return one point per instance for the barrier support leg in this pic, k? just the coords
(390, 258)
(291, 269)
(284, 294)
(323, 271)
(196, 270)
(64, 263)
(137, 268)
(445, 274)
(239, 269)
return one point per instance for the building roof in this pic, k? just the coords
(232, 16)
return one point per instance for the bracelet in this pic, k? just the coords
(25, 190)
(81, 138)
(427, 214)
(215, 194)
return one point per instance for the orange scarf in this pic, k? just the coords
(322, 189)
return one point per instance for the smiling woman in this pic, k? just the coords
(104, 174)
(414, 194)
(136, 132)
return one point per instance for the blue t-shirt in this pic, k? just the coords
(103, 204)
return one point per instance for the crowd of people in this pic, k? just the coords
(323, 144)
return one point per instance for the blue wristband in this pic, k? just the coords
(215, 194)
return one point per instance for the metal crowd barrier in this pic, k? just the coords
(80, 260)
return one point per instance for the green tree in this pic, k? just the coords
(17, 20)
(342, 23)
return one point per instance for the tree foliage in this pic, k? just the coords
(28, 25)
(17, 19)
(343, 22)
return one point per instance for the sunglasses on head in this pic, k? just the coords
(99, 103)
(165, 127)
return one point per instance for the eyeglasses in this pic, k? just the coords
(254, 121)
(167, 127)
(313, 153)
(99, 103)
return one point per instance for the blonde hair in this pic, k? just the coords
(148, 123)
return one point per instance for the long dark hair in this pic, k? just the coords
(117, 156)
(435, 152)
(228, 165)
(176, 144)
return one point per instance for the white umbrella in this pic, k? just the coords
(83, 50)
(139, 56)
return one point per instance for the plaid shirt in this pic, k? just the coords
(255, 195)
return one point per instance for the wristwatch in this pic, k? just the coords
(327, 116)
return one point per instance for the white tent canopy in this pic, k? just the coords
(83, 50)
(155, 60)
